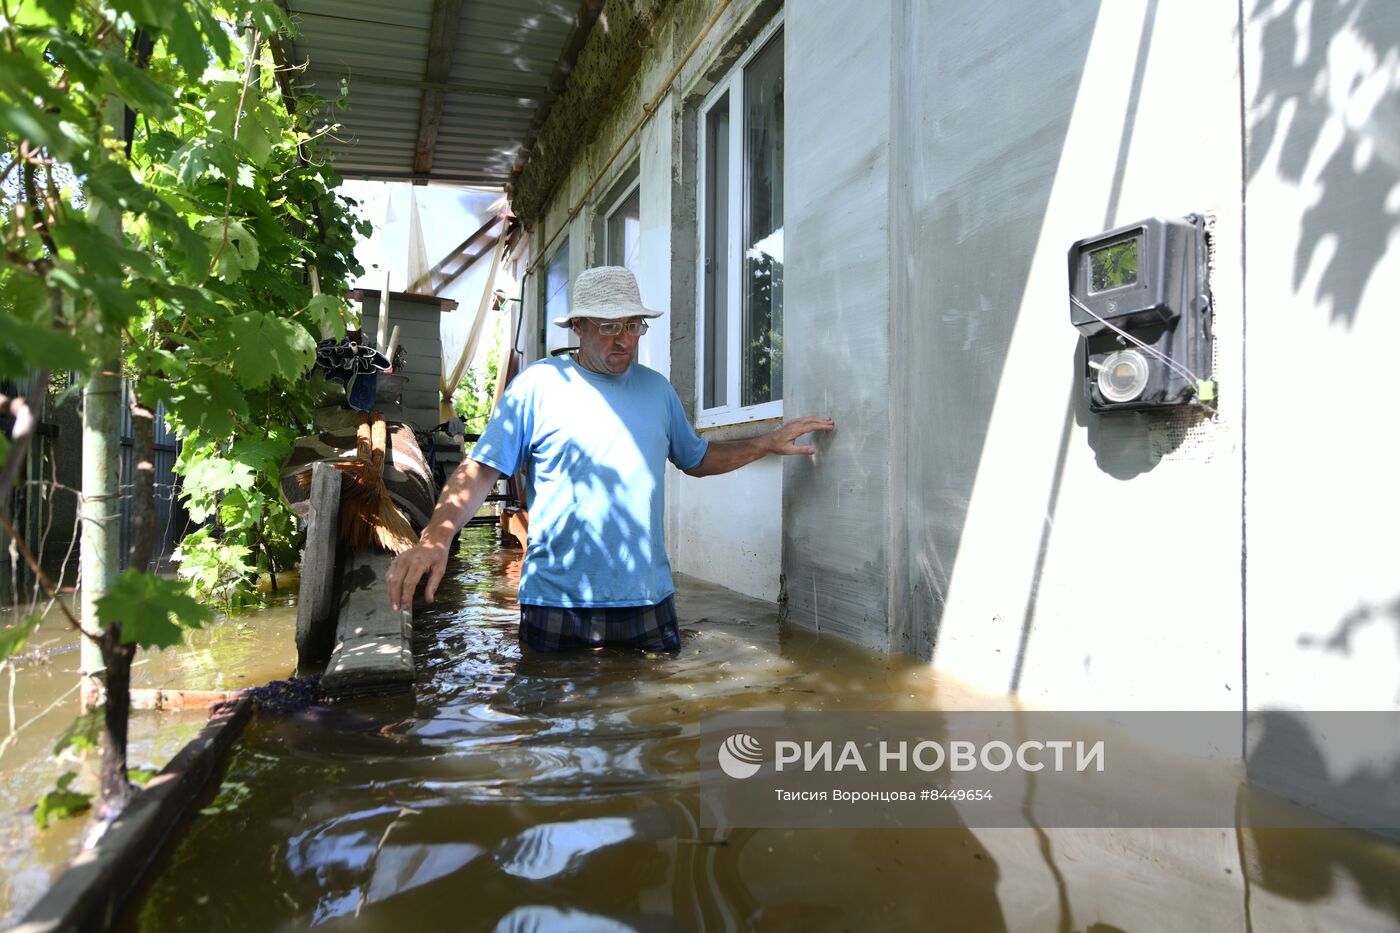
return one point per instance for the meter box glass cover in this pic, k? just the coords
(1139, 296)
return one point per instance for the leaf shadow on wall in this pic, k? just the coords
(1336, 101)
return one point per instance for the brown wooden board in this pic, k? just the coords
(316, 599)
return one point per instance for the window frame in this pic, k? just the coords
(732, 85)
(610, 211)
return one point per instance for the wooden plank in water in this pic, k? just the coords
(159, 698)
(374, 644)
(316, 600)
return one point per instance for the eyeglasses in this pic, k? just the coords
(613, 328)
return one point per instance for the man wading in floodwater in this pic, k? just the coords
(593, 431)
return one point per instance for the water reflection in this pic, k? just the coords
(558, 848)
(560, 792)
(540, 918)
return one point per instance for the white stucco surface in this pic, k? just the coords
(726, 529)
(1323, 501)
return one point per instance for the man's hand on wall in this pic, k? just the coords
(781, 440)
(724, 456)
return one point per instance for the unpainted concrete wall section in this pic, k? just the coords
(1322, 118)
(836, 315)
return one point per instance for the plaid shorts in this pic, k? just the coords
(650, 628)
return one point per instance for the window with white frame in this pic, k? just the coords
(622, 228)
(740, 210)
(556, 294)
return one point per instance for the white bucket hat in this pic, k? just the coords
(606, 293)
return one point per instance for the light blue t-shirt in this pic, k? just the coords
(594, 448)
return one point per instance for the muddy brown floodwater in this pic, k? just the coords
(561, 793)
(39, 700)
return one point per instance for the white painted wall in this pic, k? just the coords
(728, 529)
(1323, 448)
(654, 156)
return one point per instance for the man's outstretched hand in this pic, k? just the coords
(783, 438)
(465, 492)
(723, 456)
(409, 568)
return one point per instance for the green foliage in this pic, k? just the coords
(216, 568)
(153, 611)
(223, 202)
(82, 734)
(208, 474)
(61, 802)
(232, 795)
(473, 399)
(269, 347)
(13, 637)
(183, 252)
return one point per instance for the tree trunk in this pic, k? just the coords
(116, 656)
(116, 787)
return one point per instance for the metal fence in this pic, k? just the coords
(172, 520)
(45, 504)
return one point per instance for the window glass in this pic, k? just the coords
(556, 293)
(762, 291)
(740, 212)
(624, 234)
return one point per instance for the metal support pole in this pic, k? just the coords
(101, 508)
(101, 547)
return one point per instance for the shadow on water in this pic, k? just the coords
(528, 791)
(1302, 755)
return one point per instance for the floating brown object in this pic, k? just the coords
(367, 514)
(158, 698)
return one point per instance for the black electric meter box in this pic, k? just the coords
(1139, 295)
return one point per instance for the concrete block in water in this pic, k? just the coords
(374, 643)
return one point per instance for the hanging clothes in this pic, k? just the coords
(339, 360)
(354, 365)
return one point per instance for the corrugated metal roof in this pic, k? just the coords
(467, 112)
